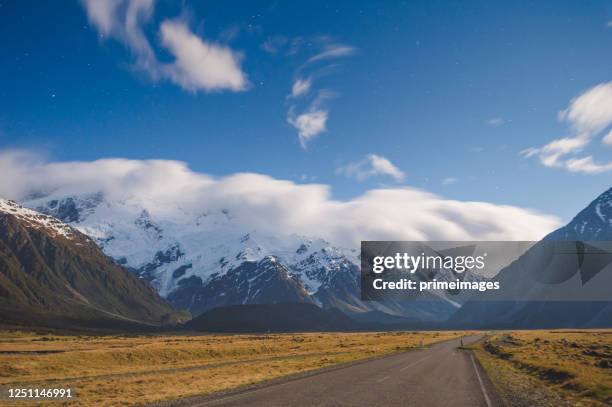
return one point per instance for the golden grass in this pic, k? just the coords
(558, 367)
(138, 369)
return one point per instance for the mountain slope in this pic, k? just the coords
(200, 259)
(594, 223)
(53, 275)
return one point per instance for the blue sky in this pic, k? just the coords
(445, 95)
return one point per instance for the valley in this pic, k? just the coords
(131, 369)
(518, 368)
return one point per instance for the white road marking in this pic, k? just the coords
(383, 379)
(413, 363)
(484, 391)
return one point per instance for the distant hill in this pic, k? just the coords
(51, 275)
(280, 317)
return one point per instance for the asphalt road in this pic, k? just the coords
(441, 375)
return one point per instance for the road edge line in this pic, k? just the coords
(482, 387)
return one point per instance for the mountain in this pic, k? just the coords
(52, 275)
(200, 259)
(253, 282)
(594, 223)
(279, 317)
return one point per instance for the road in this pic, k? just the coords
(441, 375)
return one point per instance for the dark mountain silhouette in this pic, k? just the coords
(280, 317)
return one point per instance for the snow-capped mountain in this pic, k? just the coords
(200, 259)
(594, 223)
(53, 275)
(204, 259)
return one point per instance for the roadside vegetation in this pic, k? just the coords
(136, 369)
(550, 368)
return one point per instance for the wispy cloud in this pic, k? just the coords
(301, 87)
(273, 45)
(309, 124)
(496, 122)
(372, 165)
(449, 181)
(312, 120)
(331, 51)
(198, 65)
(588, 115)
(587, 165)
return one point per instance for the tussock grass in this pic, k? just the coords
(556, 367)
(136, 369)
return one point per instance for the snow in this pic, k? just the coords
(36, 220)
(139, 231)
(599, 213)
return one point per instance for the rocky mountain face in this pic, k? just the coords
(200, 259)
(253, 282)
(594, 223)
(53, 275)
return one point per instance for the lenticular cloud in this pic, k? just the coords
(273, 206)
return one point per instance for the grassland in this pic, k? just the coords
(550, 368)
(133, 370)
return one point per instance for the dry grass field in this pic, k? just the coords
(550, 368)
(137, 369)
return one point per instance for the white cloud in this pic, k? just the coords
(551, 154)
(449, 181)
(587, 165)
(198, 65)
(313, 121)
(588, 115)
(102, 14)
(300, 87)
(607, 140)
(275, 206)
(309, 124)
(591, 112)
(331, 51)
(372, 165)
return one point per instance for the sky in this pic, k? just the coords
(507, 103)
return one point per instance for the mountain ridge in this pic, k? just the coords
(593, 223)
(54, 275)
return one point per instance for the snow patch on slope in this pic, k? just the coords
(36, 220)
